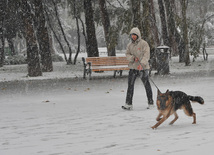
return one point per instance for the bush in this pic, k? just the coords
(15, 60)
(21, 59)
(57, 58)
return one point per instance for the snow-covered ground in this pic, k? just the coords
(62, 114)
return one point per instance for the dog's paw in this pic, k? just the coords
(158, 119)
(171, 123)
(153, 127)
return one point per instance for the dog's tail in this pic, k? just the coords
(198, 99)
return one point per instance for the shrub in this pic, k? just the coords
(21, 59)
(57, 58)
(15, 60)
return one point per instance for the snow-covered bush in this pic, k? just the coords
(21, 59)
(16, 59)
(57, 58)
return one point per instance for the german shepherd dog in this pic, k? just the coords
(170, 101)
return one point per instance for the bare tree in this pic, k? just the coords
(185, 32)
(171, 27)
(10, 25)
(43, 37)
(154, 24)
(146, 21)
(34, 68)
(164, 30)
(107, 28)
(2, 14)
(91, 44)
(78, 32)
(69, 61)
(154, 35)
(54, 33)
(147, 28)
(135, 4)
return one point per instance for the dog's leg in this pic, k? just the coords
(160, 122)
(176, 117)
(194, 118)
(189, 112)
(158, 117)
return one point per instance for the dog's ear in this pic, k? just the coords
(167, 92)
(159, 92)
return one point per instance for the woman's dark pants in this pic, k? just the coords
(144, 76)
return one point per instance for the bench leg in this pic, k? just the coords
(84, 69)
(121, 72)
(84, 74)
(115, 74)
(89, 74)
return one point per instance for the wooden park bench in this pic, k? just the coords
(100, 64)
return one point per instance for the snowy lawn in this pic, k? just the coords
(77, 117)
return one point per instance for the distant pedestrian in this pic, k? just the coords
(138, 55)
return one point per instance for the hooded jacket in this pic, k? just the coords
(139, 49)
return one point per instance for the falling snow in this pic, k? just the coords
(60, 113)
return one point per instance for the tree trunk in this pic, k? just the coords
(84, 33)
(78, 33)
(178, 37)
(34, 68)
(171, 27)
(1, 49)
(92, 47)
(154, 35)
(52, 43)
(147, 31)
(11, 46)
(146, 22)
(2, 14)
(43, 37)
(164, 30)
(153, 24)
(63, 33)
(55, 35)
(136, 13)
(107, 26)
(185, 32)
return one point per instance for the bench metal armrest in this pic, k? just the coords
(86, 70)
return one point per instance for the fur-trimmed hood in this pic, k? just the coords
(136, 31)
